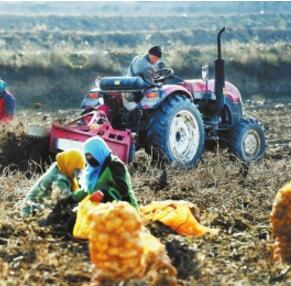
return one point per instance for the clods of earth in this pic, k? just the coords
(236, 203)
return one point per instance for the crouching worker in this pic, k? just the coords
(7, 103)
(56, 185)
(105, 177)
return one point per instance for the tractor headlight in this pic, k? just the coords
(93, 95)
(152, 95)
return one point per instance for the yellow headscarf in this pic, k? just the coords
(70, 160)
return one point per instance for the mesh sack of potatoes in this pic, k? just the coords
(115, 242)
(121, 248)
(159, 268)
(281, 224)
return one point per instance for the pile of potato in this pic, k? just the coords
(114, 241)
(281, 224)
(121, 248)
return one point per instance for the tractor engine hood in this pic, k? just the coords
(198, 86)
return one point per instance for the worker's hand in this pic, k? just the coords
(195, 212)
(26, 212)
(97, 197)
(56, 193)
(159, 84)
(30, 210)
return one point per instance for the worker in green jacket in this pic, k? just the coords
(58, 182)
(105, 175)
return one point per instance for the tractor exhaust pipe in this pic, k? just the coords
(219, 76)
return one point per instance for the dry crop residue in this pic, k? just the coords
(239, 206)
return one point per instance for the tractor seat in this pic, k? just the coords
(135, 83)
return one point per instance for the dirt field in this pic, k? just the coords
(238, 206)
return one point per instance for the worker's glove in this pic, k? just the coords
(161, 65)
(97, 197)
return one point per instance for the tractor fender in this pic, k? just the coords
(172, 88)
(163, 93)
(232, 111)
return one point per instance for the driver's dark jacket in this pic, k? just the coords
(141, 66)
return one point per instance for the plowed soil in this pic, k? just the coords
(237, 205)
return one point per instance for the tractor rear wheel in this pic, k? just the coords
(246, 140)
(175, 132)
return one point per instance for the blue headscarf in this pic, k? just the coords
(98, 148)
(3, 85)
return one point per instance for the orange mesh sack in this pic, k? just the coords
(160, 270)
(281, 224)
(115, 241)
(122, 249)
(176, 214)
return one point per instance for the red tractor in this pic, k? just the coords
(171, 121)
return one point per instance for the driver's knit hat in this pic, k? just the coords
(156, 51)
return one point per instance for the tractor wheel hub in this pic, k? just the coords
(251, 143)
(184, 135)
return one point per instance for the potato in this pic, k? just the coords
(281, 224)
(118, 247)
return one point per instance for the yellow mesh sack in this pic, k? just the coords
(175, 214)
(81, 227)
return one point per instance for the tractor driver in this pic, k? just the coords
(146, 65)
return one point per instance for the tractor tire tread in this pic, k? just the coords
(156, 143)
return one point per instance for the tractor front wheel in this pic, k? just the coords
(175, 132)
(246, 140)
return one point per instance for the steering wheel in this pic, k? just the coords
(163, 74)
